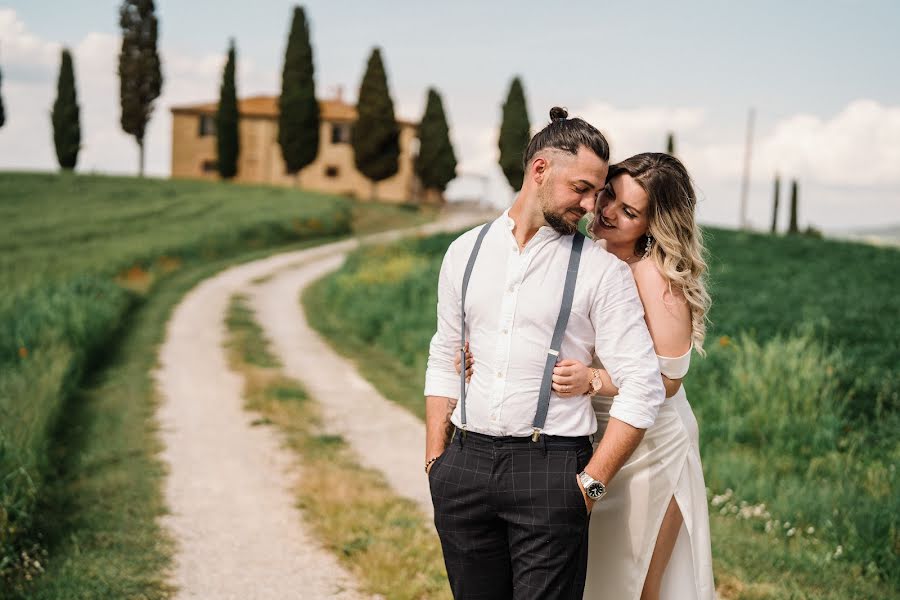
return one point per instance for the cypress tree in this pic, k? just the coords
(376, 136)
(140, 78)
(792, 227)
(515, 133)
(670, 144)
(298, 109)
(228, 145)
(65, 115)
(775, 202)
(436, 163)
(2, 111)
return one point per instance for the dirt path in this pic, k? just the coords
(233, 513)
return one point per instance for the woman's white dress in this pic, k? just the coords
(625, 523)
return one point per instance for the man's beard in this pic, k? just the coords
(559, 224)
(555, 221)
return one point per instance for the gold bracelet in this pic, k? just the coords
(429, 463)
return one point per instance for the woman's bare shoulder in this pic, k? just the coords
(647, 276)
(667, 312)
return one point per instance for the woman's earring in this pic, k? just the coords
(649, 245)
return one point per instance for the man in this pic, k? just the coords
(512, 490)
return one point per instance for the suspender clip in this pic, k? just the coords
(536, 435)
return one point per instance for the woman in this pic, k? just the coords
(650, 534)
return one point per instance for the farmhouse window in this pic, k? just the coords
(340, 133)
(207, 125)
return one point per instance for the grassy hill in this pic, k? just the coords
(797, 400)
(83, 260)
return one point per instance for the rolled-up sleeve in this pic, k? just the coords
(625, 347)
(441, 378)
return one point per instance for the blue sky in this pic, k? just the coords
(822, 77)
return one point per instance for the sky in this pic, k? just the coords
(822, 78)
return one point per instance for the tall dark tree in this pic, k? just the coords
(436, 163)
(775, 202)
(793, 227)
(376, 136)
(228, 145)
(298, 109)
(140, 78)
(670, 144)
(65, 115)
(2, 111)
(515, 133)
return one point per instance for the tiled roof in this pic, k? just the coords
(267, 106)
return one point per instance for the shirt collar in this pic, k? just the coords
(545, 232)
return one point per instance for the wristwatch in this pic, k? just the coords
(593, 488)
(596, 383)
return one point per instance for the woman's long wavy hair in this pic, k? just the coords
(677, 247)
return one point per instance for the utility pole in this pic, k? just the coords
(745, 184)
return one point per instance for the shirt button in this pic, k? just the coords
(505, 331)
(499, 374)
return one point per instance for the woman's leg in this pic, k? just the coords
(665, 543)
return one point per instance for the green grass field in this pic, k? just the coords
(89, 270)
(797, 400)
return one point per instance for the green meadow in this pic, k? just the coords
(89, 269)
(797, 399)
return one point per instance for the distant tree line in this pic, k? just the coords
(793, 221)
(375, 136)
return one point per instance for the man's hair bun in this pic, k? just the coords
(557, 113)
(566, 135)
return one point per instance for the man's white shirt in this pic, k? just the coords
(512, 304)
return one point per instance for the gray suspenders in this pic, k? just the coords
(462, 329)
(552, 354)
(561, 321)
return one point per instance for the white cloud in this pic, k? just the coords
(640, 129)
(21, 50)
(859, 146)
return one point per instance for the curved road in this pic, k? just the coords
(229, 489)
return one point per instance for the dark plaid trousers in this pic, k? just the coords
(511, 516)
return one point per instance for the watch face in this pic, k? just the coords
(595, 490)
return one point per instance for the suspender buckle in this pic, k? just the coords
(536, 435)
